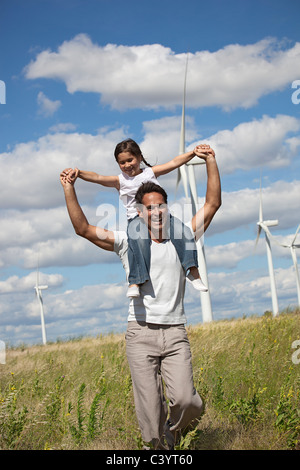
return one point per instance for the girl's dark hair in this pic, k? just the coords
(129, 146)
(149, 187)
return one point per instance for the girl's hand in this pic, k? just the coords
(72, 175)
(65, 172)
(203, 151)
(68, 175)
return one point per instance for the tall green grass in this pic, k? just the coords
(78, 394)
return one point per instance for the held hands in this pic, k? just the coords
(204, 151)
(69, 176)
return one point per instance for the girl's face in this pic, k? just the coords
(129, 164)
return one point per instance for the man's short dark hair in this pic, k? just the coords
(149, 187)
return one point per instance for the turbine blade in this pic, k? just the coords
(181, 173)
(294, 257)
(260, 214)
(258, 235)
(182, 130)
(37, 270)
(266, 229)
(295, 236)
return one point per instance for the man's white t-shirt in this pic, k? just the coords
(161, 298)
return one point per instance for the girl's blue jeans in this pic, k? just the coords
(139, 247)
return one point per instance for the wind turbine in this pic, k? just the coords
(190, 181)
(292, 246)
(38, 290)
(264, 225)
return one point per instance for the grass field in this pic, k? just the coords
(78, 394)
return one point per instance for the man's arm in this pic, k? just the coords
(99, 236)
(213, 200)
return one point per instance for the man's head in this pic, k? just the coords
(152, 206)
(150, 187)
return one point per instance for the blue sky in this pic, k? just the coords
(82, 75)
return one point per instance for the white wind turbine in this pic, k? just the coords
(264, 225)
(38, 290)
(190, 181)
(292, 246)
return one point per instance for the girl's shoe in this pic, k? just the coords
(196, 283)
(133, 291)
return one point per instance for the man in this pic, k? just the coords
(157, 346)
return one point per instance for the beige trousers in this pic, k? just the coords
(157, 352)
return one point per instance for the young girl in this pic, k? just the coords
(129, 158)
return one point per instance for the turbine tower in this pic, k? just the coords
(190, 181)
(292, 246)
(38, 290)
(264, 225)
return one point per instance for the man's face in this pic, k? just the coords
(154, 211)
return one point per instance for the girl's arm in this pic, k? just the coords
(180, 160)
(91, 176)
(111, 181)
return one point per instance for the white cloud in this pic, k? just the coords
(63, 127)
(102, 308)
(15, 284)
(32, 169)
(229, 255)
(161, 142)
(41, 221)
(89, 310)
(49, 233)
(263, 142)
(46, 106)
(151, 76)
(241, 208)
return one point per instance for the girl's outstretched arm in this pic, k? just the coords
(92, 177)
(180, 160)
